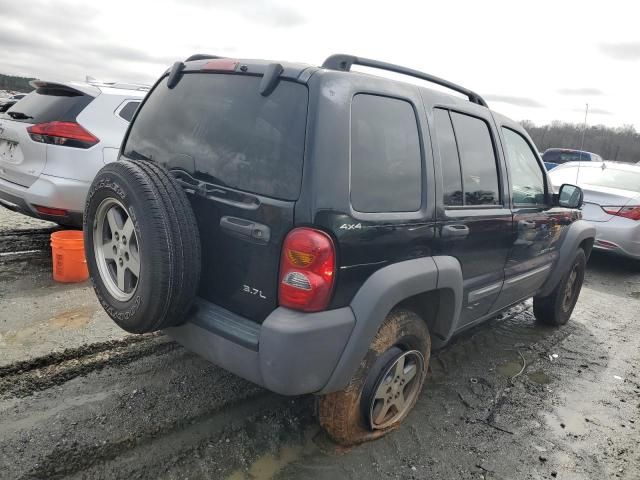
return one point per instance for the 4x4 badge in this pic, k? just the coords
(351, 226)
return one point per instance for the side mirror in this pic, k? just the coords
(570, 196)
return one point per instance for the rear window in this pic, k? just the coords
(47, 104)
(229, 133)
(386, 171)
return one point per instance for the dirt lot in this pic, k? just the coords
(80, 399)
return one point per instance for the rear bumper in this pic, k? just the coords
(291, 353)
(620, 236)
(47, 191)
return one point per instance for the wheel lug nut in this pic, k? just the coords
(117, 235)
(120, 261)
(115, 250)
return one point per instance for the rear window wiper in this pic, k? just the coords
(19, 115)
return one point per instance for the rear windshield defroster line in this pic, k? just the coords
(222, 130)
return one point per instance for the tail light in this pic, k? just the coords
(632, 213)
(69, 134)
(307, 270)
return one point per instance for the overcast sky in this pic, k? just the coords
(541, 62)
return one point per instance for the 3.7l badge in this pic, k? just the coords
(253, 291)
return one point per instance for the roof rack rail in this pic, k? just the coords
(344, 62)
(202, 56)
(122, 85)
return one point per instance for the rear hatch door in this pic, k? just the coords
(239, 156)
(21, 158)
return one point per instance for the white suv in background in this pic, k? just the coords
(54, 141)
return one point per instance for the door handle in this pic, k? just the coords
(241, 228)
(455, 231)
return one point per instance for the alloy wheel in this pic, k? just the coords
(117, 250)
(396, 389)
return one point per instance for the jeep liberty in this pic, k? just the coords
(320, 230)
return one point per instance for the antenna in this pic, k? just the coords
(584, 129)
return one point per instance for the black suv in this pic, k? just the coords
(319, 230)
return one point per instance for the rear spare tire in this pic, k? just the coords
(142, 246)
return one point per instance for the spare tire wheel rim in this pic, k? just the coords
(116, 249)
(396, 389)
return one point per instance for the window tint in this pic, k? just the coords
(227, 131)
(478, 161)
(527, 181)
(386, 174)
(47, 104)
(451, 177)
(128, 110)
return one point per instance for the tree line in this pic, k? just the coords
(17, 84)
(621, 144)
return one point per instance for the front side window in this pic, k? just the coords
(527, 180)
(477, 160)
(386, 163)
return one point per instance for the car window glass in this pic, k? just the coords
(128, 110)
(48, 104)
(451, 177)
(478, 161)
(227, 132)
(385, 155)
(527, 181)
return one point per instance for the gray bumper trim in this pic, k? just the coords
(296, 352)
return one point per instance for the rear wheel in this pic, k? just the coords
(386, 386)
(556, 308)
(142, 246)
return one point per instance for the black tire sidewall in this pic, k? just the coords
(136, 314)
(343, 414)
(561, 314)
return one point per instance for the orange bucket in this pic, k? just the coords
(69, 262)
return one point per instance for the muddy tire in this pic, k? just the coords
(556, 308)
(142, 246)
(349, 416)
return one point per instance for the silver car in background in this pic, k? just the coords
(54, 141)
(611, 202)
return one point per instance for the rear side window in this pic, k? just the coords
(386, 164)
(48, 104)
(477, 160)
(451, 176)
(226, 132)
(128, 110)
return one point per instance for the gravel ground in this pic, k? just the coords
(80, 399)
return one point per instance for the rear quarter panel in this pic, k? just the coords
(365, 242)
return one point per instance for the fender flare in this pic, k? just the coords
(578, 232)
(383, 290)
